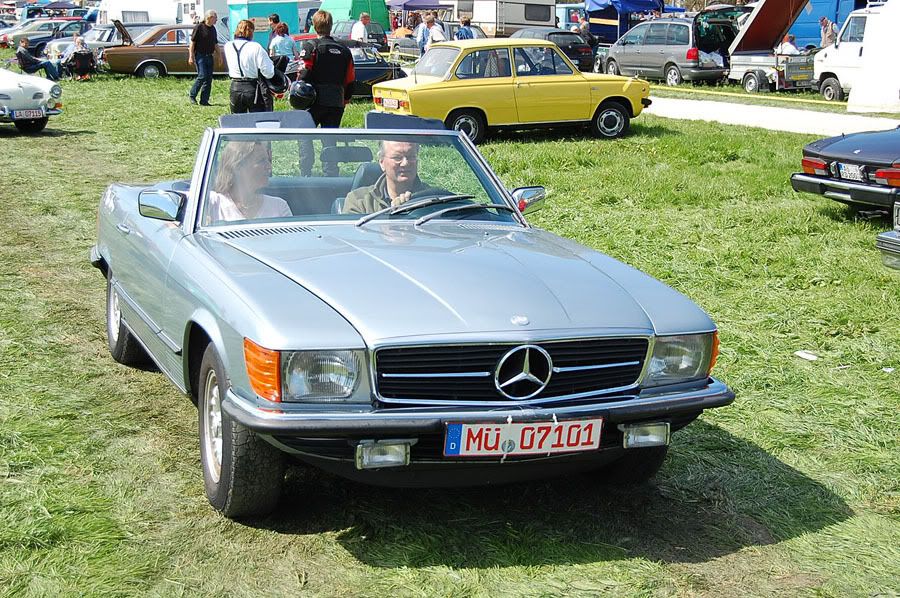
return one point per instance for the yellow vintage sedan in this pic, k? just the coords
(474, 85)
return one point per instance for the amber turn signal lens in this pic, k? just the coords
(714, 352)
(263, 370)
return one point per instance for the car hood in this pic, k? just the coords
(28, 84)
(392, 280)
(875, 147)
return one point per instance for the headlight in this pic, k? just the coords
(320, 376)
(683, 358)
(55, 92)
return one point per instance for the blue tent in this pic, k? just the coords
(624, 6)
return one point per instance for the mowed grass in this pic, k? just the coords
(792, 490)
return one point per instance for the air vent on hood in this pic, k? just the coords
(263, 232)
(489, 226)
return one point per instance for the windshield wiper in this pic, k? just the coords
(439, 213)
(409, 206)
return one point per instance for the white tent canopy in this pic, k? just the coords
(877, 88)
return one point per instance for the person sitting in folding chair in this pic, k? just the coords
(30, 64)
(82, 64)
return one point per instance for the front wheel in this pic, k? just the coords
(598, 64)
(470, 122)
(32, 126)
(751, 83)
(612, 68)
(242, 473)
(610, 121)
(831, 90)
(673, 75)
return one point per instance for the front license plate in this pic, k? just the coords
(536, 438)
(25, 114)
(851, 172)
(390, 103)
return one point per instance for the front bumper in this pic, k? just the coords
(700, 74)
(6, 113)
(260, 416)
(846, 191)
(889, 244)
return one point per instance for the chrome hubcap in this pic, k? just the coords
(610, 123)
(612, 68)
(151, 72)
(212, 426)
(829, 93)
(672, 77)
(115, 314)
(468, 125)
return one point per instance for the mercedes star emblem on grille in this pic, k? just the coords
(523, 372)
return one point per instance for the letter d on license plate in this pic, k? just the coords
(535, 438)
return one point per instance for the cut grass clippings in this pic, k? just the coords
(792, 490)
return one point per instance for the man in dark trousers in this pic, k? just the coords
(204, 42)
(329, 68)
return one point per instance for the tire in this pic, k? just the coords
(611, 120)
(242, 473)
(395, 53)
(598, 64)
(470, 122)
(123, 346)
(612, 68)
(831, 90)
(39, 50)
(751, 83)
(31, 126)
(636, 466)
(673, 75)
(152, 70)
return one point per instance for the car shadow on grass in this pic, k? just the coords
(839, 212)
(716, 495)
(10, 132)
(575, 134)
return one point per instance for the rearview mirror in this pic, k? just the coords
(160, 204)
(529, 199)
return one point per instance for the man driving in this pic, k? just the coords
(399, 161)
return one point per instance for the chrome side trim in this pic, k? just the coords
(582, 368)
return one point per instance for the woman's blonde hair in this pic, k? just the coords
(244, 30)
(232, 159)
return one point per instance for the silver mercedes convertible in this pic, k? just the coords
(374, 303)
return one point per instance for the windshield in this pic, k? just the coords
(566, 39)
(436, 62)
(295, 177)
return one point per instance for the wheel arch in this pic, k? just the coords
(200, 331)
(162, 67)
(474, 108)
(622, 100)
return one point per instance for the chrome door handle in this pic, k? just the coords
(124, 229)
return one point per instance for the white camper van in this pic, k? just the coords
(836, 67)
(143, 11)
(503, 18)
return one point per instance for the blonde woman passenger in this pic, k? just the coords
(243, 172)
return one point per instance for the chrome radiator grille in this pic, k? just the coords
(457, 373)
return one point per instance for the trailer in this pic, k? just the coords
(142, 11)
(753, 62)
(501, 19)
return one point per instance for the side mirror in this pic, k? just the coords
(529, 199)
(160, 205)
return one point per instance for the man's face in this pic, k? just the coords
(366, 20)
(400, 161)
(211, 20)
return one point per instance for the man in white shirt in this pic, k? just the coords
(435, 32)
(246, 61)
(360, 31)
(787, 47)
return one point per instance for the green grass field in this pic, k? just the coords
(792, 490)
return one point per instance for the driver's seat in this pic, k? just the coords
(366, 174)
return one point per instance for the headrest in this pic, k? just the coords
(366, 175)
(287, 119)
(346, 153)
(385, 120)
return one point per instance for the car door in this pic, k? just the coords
(653, 54)
(628, 50)
(547, 88)
(483, 79)
(848, 51)
(172, 49)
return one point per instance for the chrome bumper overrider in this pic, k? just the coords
(889, 244)
(310, 420)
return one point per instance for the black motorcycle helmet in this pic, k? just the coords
(301, 95)
(278, 84)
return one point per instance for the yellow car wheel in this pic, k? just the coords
(611, 120)
(468, 121)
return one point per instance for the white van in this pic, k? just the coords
(836, 67)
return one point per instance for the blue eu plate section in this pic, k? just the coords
(453, 439)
